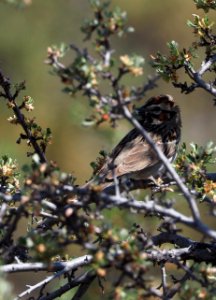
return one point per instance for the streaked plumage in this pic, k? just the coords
(133, 157)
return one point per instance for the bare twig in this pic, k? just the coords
(149, 85)
(54, 267)
(197, 75)
(68, 266)
(164, 281)
(86, 282)
(82, 279)
(151, 206)
(15, 218)
(3, 210)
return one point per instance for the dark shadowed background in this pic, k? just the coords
(25, 35)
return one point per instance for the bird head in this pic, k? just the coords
(158, 111)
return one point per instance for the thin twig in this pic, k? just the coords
(6, 86)
(84, 286)
(164, 281)
(151, 206)
(197, 75)
(86, 277)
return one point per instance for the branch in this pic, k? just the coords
(195, 253)
(197, 75)
(190, 249)
(149, 85)
(206, 65)
(12, 226)
(211, 176)
(54, 267)
(10, 198)
(151, 207)
(6, 86)
(86, 282)
(164, 281)
(85, 278)
(173, 238)
(68, 266)
(73, 283)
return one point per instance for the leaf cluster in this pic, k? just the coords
(206, 5)
(168, 65)
(88, 72)
(192, 166)
(9, 175)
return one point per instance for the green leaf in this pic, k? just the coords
(191, 24)
(88, 122)
(173, 46)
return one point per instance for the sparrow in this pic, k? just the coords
(133, 158)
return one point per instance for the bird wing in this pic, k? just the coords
(130, 155)
(135, 157)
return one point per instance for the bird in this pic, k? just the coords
(133, 158)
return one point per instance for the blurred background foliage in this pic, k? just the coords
(25, 35)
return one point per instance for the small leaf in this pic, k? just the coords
(88, 122)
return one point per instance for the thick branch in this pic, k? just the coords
(54, 267)
(196, 253)
(188, 249)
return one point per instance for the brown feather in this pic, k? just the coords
(133, 157)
